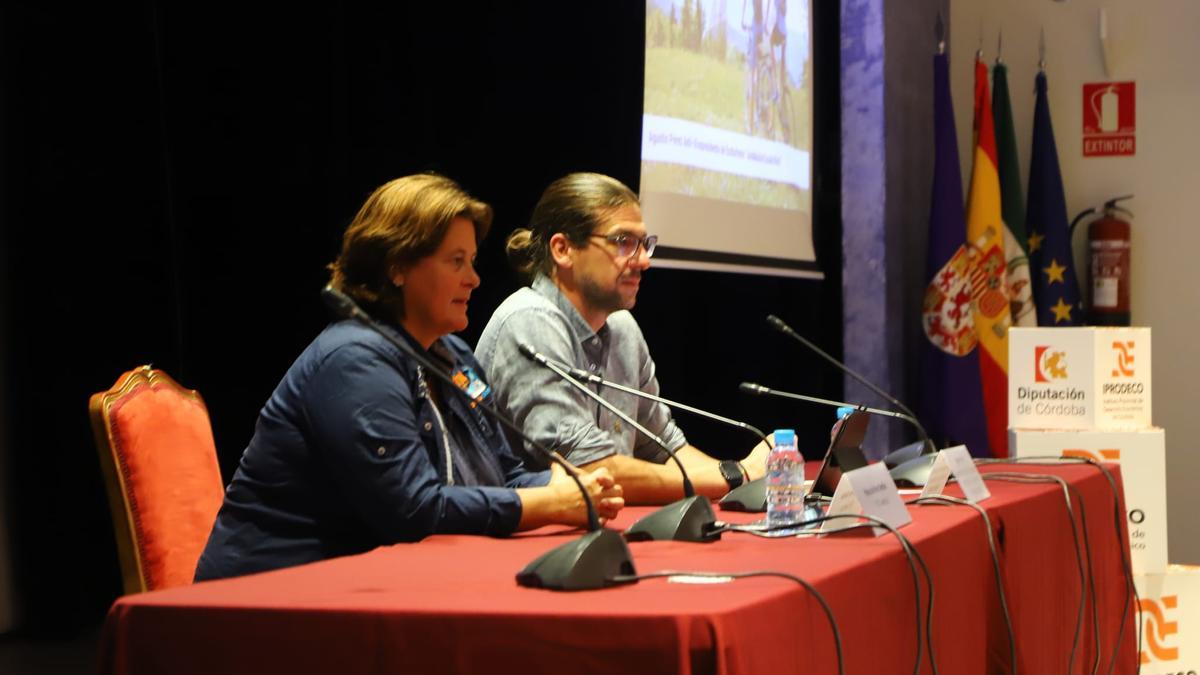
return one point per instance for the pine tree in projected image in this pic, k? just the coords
(951, 402)
(985, 240)
(1055, 286)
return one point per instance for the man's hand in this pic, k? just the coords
(755, 463)
(606, 494)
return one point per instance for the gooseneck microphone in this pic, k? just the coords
(589, 562)
(546, 362)
(749, 496)
(909, 415)
(689, 519)
(585, 376)
(907, 467)
(752, 388)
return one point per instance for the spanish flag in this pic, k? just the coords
(985, 242)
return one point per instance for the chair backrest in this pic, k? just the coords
(160, 469)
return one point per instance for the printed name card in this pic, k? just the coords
(867, 491)
(957, 462)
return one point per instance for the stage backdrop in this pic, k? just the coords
(177, 177)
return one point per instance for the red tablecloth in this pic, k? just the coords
(451, 604)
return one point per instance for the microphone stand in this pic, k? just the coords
(583, 375)
(690, 518)
(752, 388)
(750, 496)
(593, 560)
(910, 470)
(910, 416)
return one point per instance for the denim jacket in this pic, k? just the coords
(350, 453)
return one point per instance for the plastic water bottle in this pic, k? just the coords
(785, 481)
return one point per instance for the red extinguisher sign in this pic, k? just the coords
(1108, 119)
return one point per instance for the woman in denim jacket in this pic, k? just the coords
(358, 447)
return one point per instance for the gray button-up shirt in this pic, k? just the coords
(552, 411)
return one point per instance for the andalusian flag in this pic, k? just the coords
(1012, 208)
(1054, 283)
(985, 240)
(951, 396)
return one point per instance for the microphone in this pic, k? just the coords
(585, 376)
(758, 389)
(916, 464)
(782, 327)
(749, 496)
(689, 519)
(589, 562)
(912, 469)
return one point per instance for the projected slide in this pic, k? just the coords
(727, 135)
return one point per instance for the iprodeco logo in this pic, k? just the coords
(1158, 629)
(1106, 455)
(1049, 364)
(1124, 353)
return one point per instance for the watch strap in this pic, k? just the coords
(732, 472)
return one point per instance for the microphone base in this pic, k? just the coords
(750, 497)
(587, 563)
(901, 455)
(914, 472)
(689, 519)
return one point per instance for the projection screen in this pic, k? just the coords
(727, 135)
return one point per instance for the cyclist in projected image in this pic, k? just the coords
(766, 80)
(586, 250)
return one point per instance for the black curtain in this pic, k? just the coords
(175, 179)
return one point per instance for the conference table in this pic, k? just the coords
(450, 604)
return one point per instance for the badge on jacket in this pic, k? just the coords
(468, 381)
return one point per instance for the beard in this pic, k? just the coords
(608, 300)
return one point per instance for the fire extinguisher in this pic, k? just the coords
(1108, 263)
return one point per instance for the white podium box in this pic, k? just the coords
(1142, 457)
(1079, 378)
(1170, 620)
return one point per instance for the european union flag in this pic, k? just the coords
(951, 394)
(1055, 286)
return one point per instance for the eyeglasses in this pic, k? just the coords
(627, 245)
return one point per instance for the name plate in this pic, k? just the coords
(867, 491)
(957, 462)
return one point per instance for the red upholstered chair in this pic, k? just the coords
(160, 468)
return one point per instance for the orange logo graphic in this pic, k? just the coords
(1158, 628)
(1049, 364)
(1124, 359)
(1106, 455)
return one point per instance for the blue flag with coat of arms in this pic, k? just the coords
(951, 403)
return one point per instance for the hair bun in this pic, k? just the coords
(520, 249)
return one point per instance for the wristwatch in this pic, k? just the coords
(731, 471)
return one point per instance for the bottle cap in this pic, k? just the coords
(785, 437)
